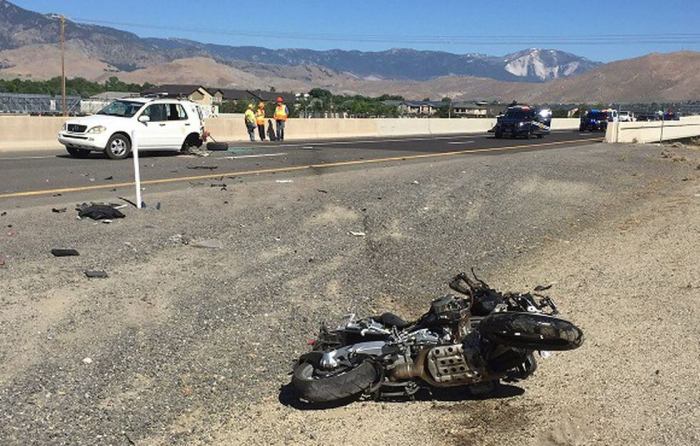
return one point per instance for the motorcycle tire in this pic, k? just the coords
(217, 146)
(531, 331)
(319, 389)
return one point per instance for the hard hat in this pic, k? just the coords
(279, 99)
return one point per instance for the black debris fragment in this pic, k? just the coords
(58, 210)
(60, 252)
(543, 287)
(3, 213)
(128, 201)
(323, 191)
(56, 195)
(96, 274)
(203, 167)
(109, 178)
(98, 211)
(222, 185)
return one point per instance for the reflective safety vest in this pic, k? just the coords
(249, 117)
(260, 116)
(281, 112)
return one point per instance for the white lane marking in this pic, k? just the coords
(369, 141)
(258, 155)
(17, 158)
(460, 142)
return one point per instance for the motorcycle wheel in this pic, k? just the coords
(531, 331)
(320, 386)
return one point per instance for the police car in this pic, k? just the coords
(523, 120)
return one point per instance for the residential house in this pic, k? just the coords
(419, 108)
(195, 93)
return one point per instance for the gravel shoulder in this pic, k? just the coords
(185, 345)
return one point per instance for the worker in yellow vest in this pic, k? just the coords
(249, 118)
(281, 114)
(260, 120)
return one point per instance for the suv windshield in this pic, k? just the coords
(519, 113)
(124, 109)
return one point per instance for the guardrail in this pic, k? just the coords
(654, 131)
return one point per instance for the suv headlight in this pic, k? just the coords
(97, 129)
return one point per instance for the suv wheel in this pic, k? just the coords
(118, 147)
(77, 153)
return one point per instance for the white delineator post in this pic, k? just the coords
(137, 171)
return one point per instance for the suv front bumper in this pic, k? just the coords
(83, 140)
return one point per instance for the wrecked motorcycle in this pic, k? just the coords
(473, 340)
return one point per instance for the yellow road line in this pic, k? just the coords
(284, 169)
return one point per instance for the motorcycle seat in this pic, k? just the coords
(392, 320)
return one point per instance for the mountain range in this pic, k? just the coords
(28, 50)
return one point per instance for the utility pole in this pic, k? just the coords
(63, 66)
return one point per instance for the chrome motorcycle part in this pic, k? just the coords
(448, 366)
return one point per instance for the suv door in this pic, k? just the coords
(154, 134)
(179, 125)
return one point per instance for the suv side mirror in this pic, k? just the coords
(144, 118)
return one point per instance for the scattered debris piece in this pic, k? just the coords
(128, 201)
(357, 233)
(203, 167)
(56, 195)
(106, 221)
(284, 181)
(96, 274)
(109, 178)
(207, 244)
(323, 191)
(3, 263)
(3, 213)
(59, 210)
(543, 287)
(87, 360)
(221, 185)
(415, 182)
(61, 252)
(179, 238)
(98, 211)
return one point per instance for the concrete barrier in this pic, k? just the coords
(654, 131)
(26, 133)
(29, 132)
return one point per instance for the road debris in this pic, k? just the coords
(98, 211)
(180, 239)
(3, 262)
(357, 233)
(284, 181)
(543, 287)
(96, 274)
(87, 361)
(58, 210)
(207, 244)
(64, 252)
(109, 178)
(203, 167)
(323, 191)
(3, 213)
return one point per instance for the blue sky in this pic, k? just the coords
(382, 24)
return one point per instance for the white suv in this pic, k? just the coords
(157, 124)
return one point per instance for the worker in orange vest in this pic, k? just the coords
(281, 114)
(260, 120)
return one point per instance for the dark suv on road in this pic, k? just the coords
(523, 120)
(594, 121)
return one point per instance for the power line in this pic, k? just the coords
(598, 39)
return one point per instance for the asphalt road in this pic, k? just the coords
(44, 174)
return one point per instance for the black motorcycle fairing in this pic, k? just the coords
(531, 331)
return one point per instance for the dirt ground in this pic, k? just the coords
(192, 346)
(631, 284)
